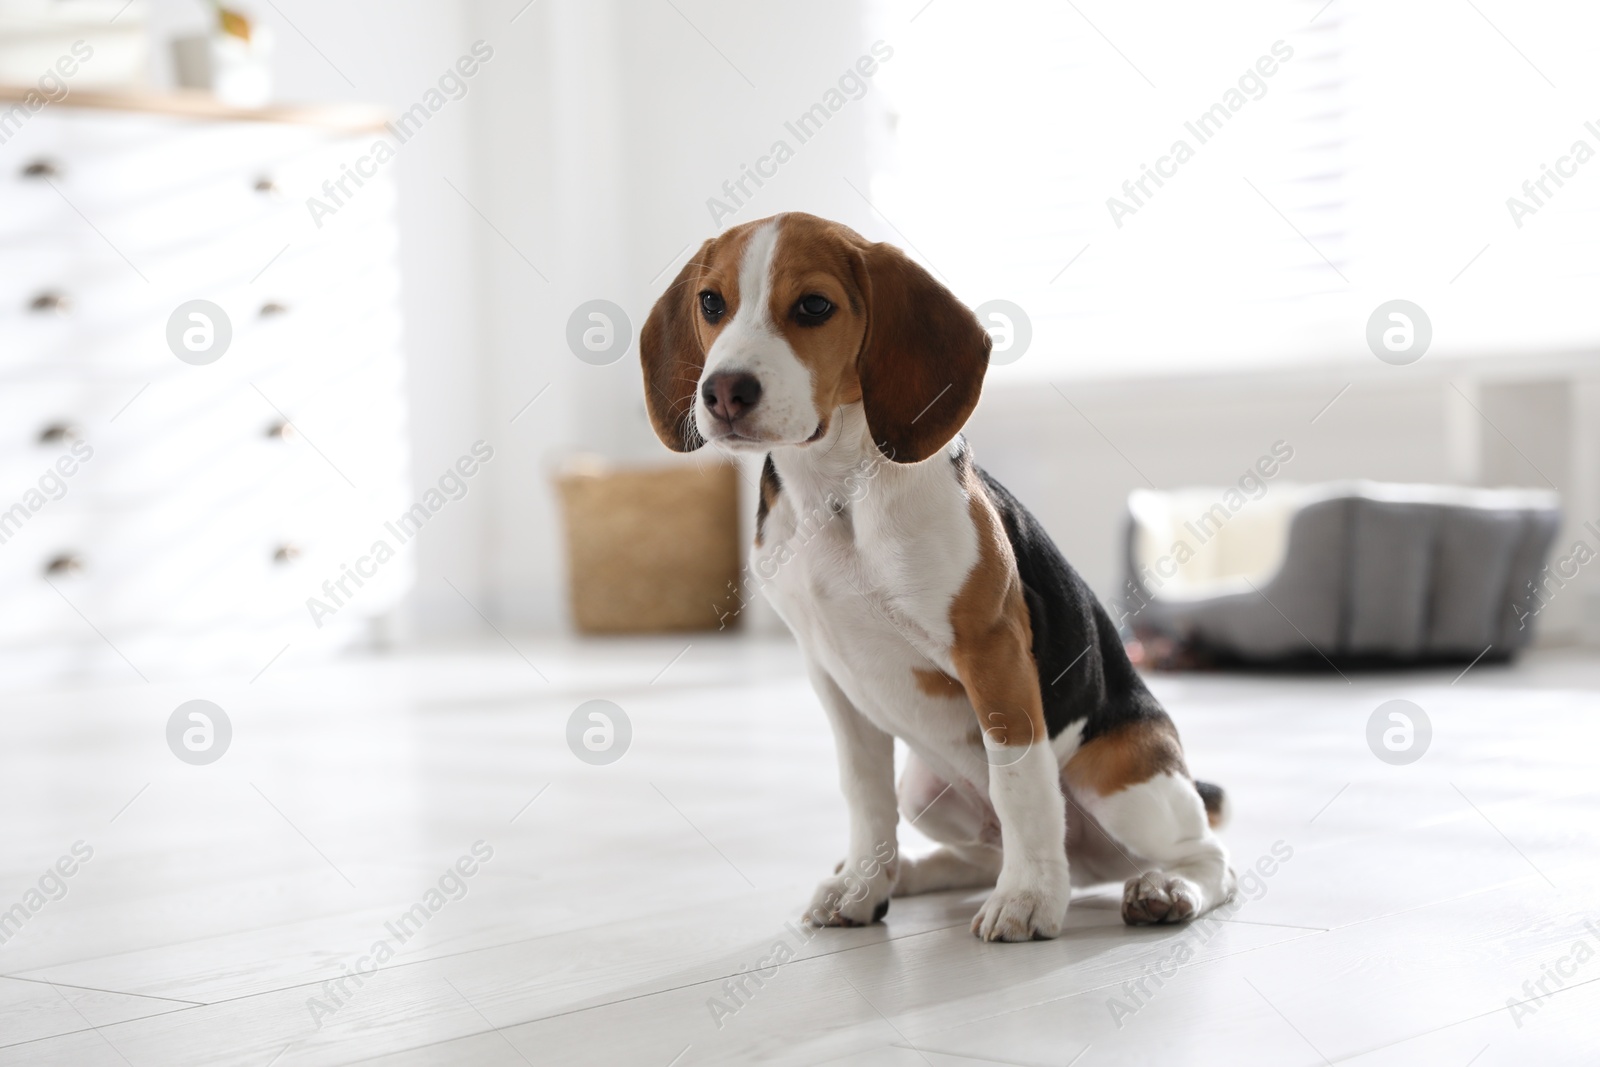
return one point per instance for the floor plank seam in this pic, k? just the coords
(1120, 981)
(1435, 903)
(1279, 926)
(672, 989)
(510, 944)
(959, 1055)
(809, 959)
(724, 977)
(113, 992)
(88, 960)
(1458, 1022)
(90, 1029)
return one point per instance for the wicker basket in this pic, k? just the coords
(653, 550)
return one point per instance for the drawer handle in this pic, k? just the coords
(66, 563)
(286, 553)
(282, 430)
(267, 187)
(56, 432)
(273, 307)
(42, 168)
(51, 303)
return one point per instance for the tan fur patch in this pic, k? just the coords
(815, 256)
(936, 683)
(1127, 756)
(676, 336)
(993, 648)
(720, 274)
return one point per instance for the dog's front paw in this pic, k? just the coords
(850, 900)
(1154, 897)
(1029, 910)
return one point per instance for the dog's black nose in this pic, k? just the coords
(729, 394)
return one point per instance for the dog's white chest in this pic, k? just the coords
(866, 582)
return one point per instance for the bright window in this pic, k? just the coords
(1248, 185)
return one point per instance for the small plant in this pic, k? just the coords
(232, 22)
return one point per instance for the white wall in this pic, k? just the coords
(600, 146)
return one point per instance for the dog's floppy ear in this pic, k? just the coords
(670, 352)
(923, 359)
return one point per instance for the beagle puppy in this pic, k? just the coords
(928, 603)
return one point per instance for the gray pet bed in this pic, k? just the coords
(1351, 571)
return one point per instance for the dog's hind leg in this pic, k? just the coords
(1133, 782)
(963, 823)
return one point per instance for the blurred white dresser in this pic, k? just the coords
(205, 503)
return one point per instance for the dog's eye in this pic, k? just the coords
(712, 306)
(812, 310)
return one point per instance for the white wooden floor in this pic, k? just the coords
(1417, 901)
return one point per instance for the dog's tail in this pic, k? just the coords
(1216, 802)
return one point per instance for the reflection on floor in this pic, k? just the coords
(263, 908)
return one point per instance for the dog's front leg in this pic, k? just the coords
(858, 892)
(1030, 897)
